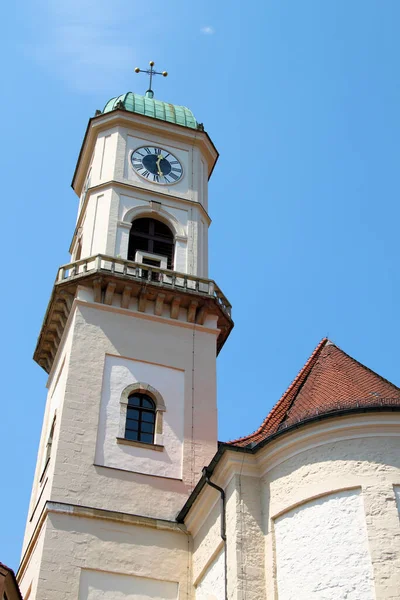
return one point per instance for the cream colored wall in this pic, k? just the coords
(360, 453)
(207, 542)
(212, 584)
(97, 333)
(107, 212)
(41, 490)
(88, 558)
(244, 539)
(322, 550)
(119, 373)
(320, 465)
(104, 156)
(28, 576)
(117, 586)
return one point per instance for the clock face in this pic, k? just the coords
(156, 165)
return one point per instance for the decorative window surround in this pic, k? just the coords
(143, 388)
(157, 447)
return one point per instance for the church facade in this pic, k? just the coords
(133, 497)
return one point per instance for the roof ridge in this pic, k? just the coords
(299, 380)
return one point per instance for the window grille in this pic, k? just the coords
(140, 418)
(150, 235)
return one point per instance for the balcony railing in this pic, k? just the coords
(144, 273)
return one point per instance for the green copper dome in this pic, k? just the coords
(145, 105)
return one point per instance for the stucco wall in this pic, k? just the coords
(28, 578)
(167, 346)
(322, 550)
(42, 481)
(89, 558)
(119, 373)
(103, 211)
(207, 540)
(397, 495)
(115, 586)
(323, 494)
(212, 584)
(359, 452)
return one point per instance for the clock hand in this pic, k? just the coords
(160, 157)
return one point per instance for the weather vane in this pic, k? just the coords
(151, 72)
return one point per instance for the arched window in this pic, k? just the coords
(140, 418)
(154, 237)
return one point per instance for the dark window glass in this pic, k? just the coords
(132, 413)
(147, 403)
(151, 236)
(132, 425)
(147, 427)
(134, 400)
(148, 417)
(140, 418)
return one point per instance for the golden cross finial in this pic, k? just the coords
(151, 72)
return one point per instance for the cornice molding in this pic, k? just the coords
(328, 431)
(114, 184)
(234, 462)
(87, 512)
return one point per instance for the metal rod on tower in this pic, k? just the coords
(151, 72)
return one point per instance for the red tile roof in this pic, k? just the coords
(330, 381)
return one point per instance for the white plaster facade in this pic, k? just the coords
(116, 194)
(312, 514)
(325, 491)
(330, 562)
(170, 382)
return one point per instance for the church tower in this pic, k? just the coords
(129, 341)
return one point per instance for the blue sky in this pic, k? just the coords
(302, 102)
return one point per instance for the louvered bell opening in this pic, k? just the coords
(151, 236)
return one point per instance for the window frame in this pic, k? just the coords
(141, 410)
(160, 408)
(151, 239)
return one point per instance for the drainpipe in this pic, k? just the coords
(206, 475)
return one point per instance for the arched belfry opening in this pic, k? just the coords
(151, 237)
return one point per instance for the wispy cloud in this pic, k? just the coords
(86, 42)
(207, 30)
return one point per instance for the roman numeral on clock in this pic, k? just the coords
(174, 177)
(145, 173)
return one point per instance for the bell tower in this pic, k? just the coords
(129, 341)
